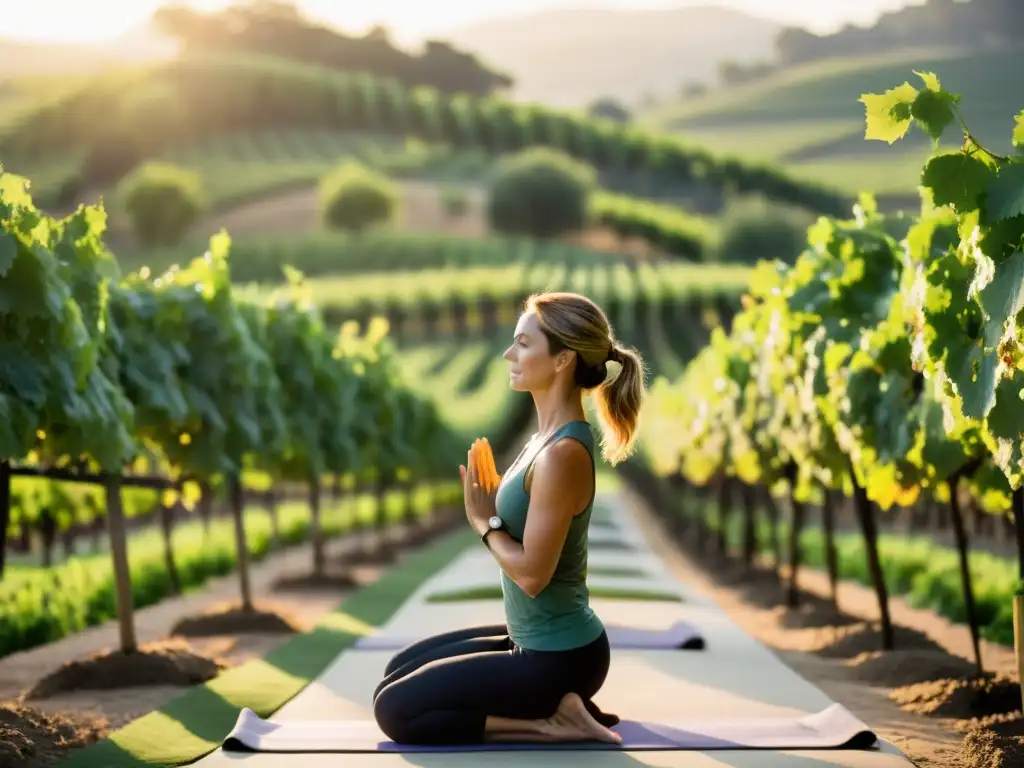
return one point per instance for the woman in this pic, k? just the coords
(533, 678)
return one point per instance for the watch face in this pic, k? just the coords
(494, 522)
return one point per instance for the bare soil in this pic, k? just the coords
(961, 698)
(996, 744)
(232, 618)
(159, 663)
(30, 738)
(925, 697)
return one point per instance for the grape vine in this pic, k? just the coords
(886, 362)
(107, 377)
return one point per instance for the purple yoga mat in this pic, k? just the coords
(832, 728)
(682, 635)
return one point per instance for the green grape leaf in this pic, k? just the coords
(1018, 130)
(931, 81)
(1005, 424)
(957, 179)
(974, 374)
(941, 451)
(8, 252)
(933, 111)
(1003, 298)
(1005, 197)
(970, 331)
(888, 115)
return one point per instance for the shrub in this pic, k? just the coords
(353, 198)
(542, 193)
(162, 201)
(609, 109)
(752, 229)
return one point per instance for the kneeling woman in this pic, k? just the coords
(532, 678)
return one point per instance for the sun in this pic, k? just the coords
(57, 21)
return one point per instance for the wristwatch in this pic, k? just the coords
(494, 523)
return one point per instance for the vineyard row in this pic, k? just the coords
(197, 97)
(883, 365)
(177, 380)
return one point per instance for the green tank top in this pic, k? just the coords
(560, 617)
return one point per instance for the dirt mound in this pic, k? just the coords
(327, 581)
(813, 612)
(29, 737)
(962, 699)
(909, 667)
(231, 619)
(997, 744)
(850, 641)
(169, 662)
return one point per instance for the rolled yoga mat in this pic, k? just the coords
(832, 728)
(680, 636)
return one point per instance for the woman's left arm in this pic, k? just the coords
(560, 489)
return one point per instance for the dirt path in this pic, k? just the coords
(835, 654)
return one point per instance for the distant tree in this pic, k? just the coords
(354, 198)
(609, 109)
(735, 73)
(977, 24)
(278, 29)
(794, 45)
(540, 192)
(753, 228)
(162, 201)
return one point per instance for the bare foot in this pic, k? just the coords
(572, 722)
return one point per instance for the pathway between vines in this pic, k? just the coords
(860, 682)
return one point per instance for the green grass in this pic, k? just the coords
(493, 592)
(615, 570)
(194, 724)
(899, 174)
(769, 142)
(624, 546)
(809, 118)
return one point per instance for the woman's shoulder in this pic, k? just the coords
(570, 456)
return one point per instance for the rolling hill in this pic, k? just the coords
(808, 120)
(570, 57)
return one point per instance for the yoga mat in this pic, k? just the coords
(832, 728)
(682, 636)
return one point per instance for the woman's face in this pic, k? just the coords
(533, 367)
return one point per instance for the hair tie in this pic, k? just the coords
(614, 356)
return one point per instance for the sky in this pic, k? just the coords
(409, 20)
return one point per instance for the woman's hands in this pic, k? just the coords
(480, 502)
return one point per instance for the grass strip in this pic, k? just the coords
(616, 570)
(610, 544)
(493, 592)
(194, 724)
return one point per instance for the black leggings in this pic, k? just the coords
(440, 690)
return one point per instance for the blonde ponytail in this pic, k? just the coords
(618, 404)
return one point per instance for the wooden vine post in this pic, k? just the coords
(1018, 598)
